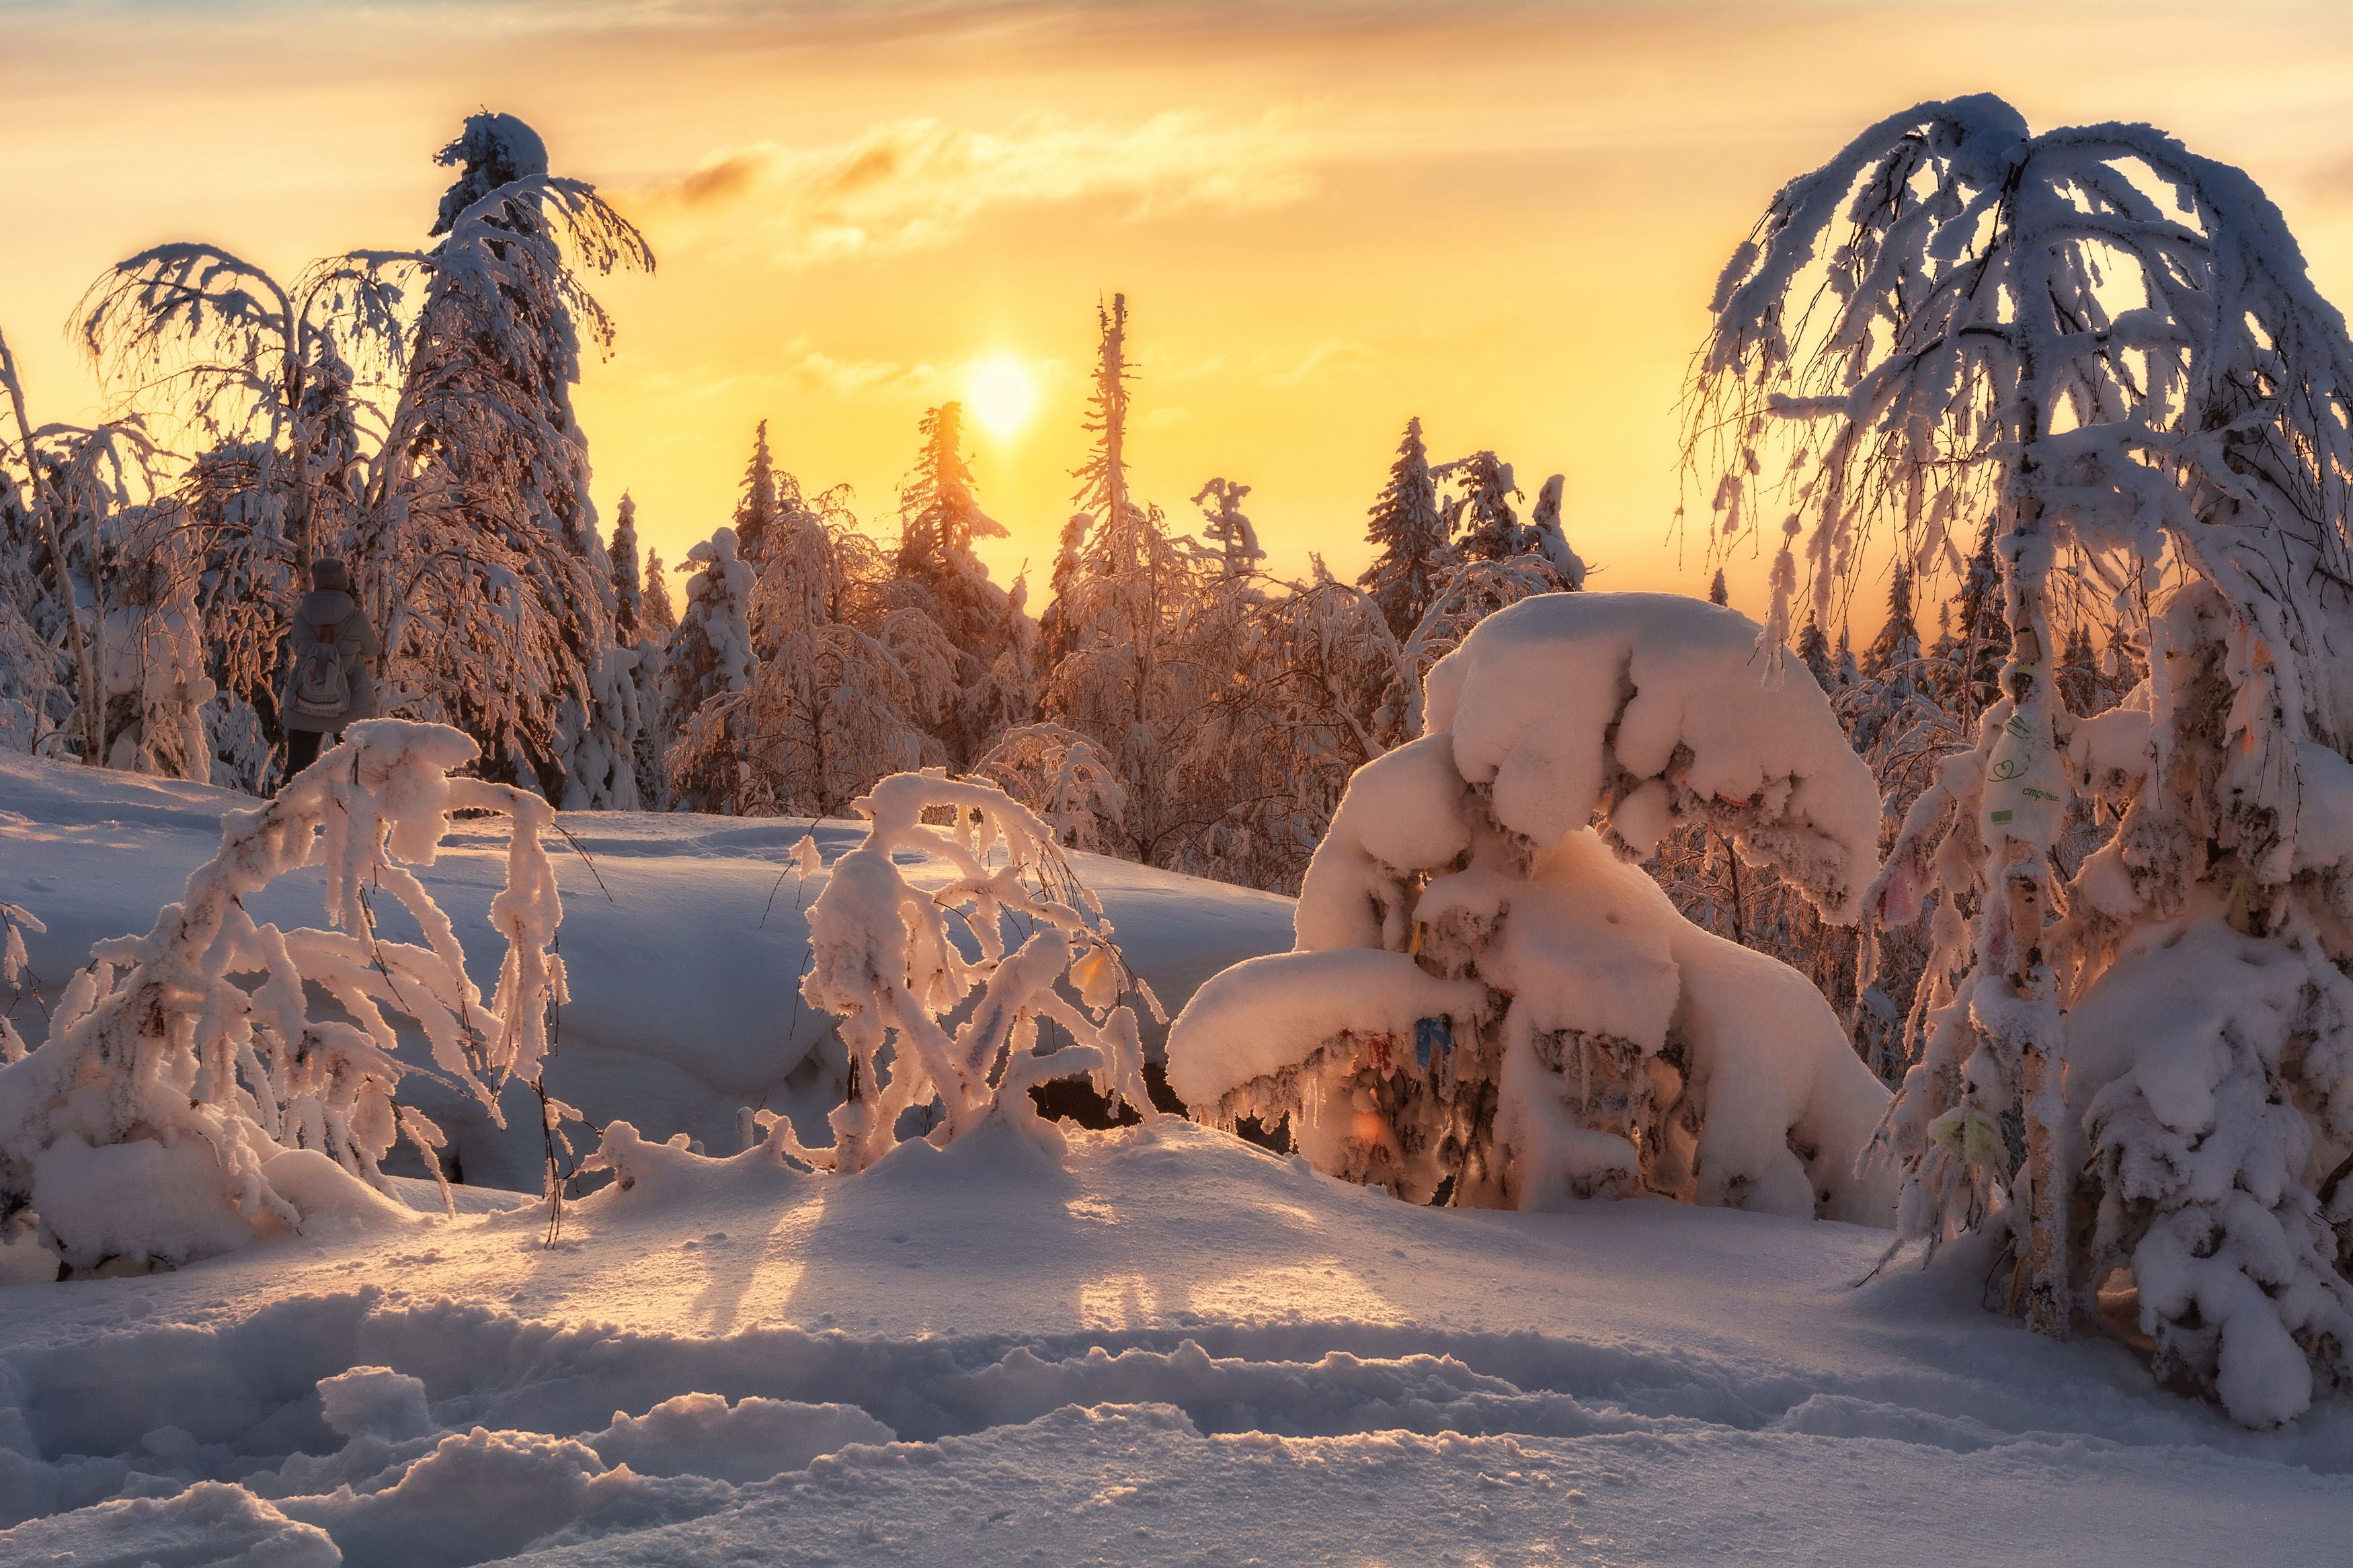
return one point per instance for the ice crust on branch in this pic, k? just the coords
(927, 1018)
(189, 1099)
(1490, 1005)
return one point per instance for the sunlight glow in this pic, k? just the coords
(1002, 395)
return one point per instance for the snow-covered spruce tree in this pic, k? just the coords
(1412, 554)
(1813, 649)
(757, 507)
(480, 559)
(660, 615)
(1478, 516)
(2111, 345)
(936, 571)
(886, 962)
(189, 1099)
(628, 586)
(1490, 1005)
(1119, 607)
(710, 658)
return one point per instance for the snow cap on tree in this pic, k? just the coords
(492, 151)
(1545, 536)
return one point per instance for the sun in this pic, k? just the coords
(1002, 395)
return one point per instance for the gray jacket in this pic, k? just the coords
(330, 614)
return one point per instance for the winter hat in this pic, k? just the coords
(328, 575)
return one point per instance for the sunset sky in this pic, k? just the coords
(1506, 218)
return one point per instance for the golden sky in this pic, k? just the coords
(1503, 217)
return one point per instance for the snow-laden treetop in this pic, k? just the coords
(1648, 709)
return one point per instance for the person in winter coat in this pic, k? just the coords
(334, 682)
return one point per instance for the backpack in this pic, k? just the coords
(322, 683)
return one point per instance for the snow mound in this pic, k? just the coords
(1490, 1005)
(1648, 709)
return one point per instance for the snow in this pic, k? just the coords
(684, 982)
(1558, 695)
(1163, 1345)
(1571, 1035)
(1169, 1333)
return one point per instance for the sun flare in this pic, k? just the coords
(1002, 395)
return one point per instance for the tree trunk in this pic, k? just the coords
(2023, 867)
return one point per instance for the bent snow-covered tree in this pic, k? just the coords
(1491, 1003)
(2110, 346)
(190, 1098)
(884, 959)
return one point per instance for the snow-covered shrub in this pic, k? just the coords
(2112, 347)
(885, 961)
(1064, 777)
(189, 1099)
(1490, 1005)
(15, 965)
(153, 659)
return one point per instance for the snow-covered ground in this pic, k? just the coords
(1168, 1347)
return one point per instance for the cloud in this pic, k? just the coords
(1323, 356)
(908, 183)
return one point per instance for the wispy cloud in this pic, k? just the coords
(908, 183)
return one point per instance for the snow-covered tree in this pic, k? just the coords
(844, 688)
(1122, 601)
(1478, 516)
(886, 961)
(1813, 650)
(660, 615)
(60, 483)
(757, 507)
(710, 656)
(1227, 530)
(1717, 593)
(1412, 554)
(1488, 1006)
(1898, 642)
(1065, 778)
(15, 969)
(2110, 345)
(154, 667)
(939, 573)
(1546, 537)
(280, 372)
(480, 559)
(628, 586)
(191, 1097)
